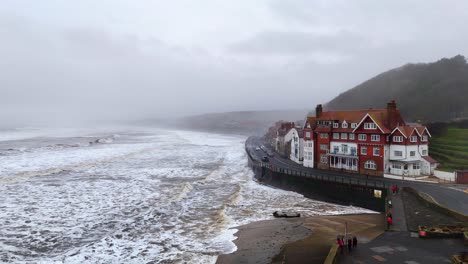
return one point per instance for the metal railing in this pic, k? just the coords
(341, 179)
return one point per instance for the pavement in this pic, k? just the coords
(451, 196)
(404, 247)
(398, 213)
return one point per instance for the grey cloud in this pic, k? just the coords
(287, 42)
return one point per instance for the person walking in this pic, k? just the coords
(389, 222)
(339, 241)
(350, 245)
(354, 242)
(393, 189)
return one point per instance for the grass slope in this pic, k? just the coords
(451, 149)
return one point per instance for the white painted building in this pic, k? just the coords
(308, 146)
(409, 152)
(297, 145)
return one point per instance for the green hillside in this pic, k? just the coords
(424, 92)
(450, 148)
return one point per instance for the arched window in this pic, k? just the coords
(370, 165)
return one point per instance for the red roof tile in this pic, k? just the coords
(429, 159)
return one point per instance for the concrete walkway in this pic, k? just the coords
(398, 213)
(404, 247)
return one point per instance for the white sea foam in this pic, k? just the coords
(146, 196)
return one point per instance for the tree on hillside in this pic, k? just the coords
(425, 92)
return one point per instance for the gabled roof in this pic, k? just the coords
(408, 130)
(379, 117)
(401, 129)
(382, 128)
(310, 120)
(421, 130)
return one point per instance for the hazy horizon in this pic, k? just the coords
(87, 61)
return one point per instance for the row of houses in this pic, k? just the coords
(371, 141)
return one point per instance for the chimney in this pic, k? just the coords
(318, 110)
(392, 114)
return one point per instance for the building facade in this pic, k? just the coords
(297, 145)
(371, 142)
(283, 139)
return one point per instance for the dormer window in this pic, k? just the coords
(397, 139)
(414, 139)
(336, 125)
(424, 138)
(353, 125)
(344, 125)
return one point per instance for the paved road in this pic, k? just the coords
(443, 194)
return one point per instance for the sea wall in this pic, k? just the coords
(367, 194)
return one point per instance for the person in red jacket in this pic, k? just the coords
(340, 243)
(389, 222)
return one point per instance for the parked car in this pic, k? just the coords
(257, 148)
(265, 159)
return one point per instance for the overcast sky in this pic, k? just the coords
(116, 59)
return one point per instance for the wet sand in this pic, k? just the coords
(299, 240)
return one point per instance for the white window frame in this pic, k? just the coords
(424, 152)
(375, 137)
(412, 153)
(424, 138)
(323, 135)
(378, 151)
(363, 150)
(344, 125)
(362, 137)
(396, 166)
(353, 125)
(351, 136)
(370, 125)
(397, 138)
(370, 165)
(336, 149)
(336, 125)
(344, 135)
(416, 167)
(399, 152)
(413, 139)
(308, 134)
(344, 148)
(336, 135)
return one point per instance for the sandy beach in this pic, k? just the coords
(299, 240)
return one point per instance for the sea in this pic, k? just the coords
(131, 195)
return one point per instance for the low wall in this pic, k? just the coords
(332, 257)
(438, 207)
(446, 176)
(354, 192)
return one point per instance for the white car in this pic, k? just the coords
(257, 148)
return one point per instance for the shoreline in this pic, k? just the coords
(298, 240)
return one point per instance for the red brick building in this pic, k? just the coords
(371, 141)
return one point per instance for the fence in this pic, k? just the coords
(344, 189)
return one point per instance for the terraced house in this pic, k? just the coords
(371, 141)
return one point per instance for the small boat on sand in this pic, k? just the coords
(286, 214)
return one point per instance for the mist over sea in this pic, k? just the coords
(130, 195)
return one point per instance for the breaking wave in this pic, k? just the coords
(155, 196)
